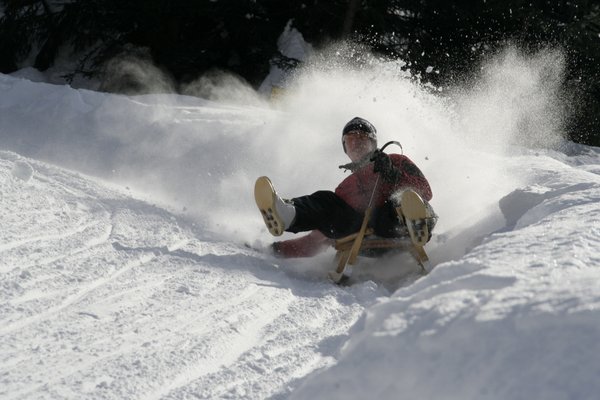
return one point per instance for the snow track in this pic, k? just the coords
(104, 296)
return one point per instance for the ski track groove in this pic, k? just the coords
(235, 348)
(119, 351)
(74, 298)
(88, 244)
(54, 237)
(126, 347)
(116, 294)
(275, 352)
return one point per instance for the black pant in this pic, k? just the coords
(327, 212)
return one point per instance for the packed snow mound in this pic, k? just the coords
(515, 318)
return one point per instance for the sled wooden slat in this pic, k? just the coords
(350, 238)
(350, 257)
(350, 247)
(377, 243)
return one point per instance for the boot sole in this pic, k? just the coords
(415, 214)
(264, 195)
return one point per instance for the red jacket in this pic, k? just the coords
(356, 190)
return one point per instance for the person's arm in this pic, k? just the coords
(401, 172)
(411, 176)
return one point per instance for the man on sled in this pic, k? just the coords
(386, 196)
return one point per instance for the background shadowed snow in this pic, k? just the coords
(202, 158)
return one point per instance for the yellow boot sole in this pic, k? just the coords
(415, 213)
(264, 195)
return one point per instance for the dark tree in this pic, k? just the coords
(188, 38)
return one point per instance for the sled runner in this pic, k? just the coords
(415, 215)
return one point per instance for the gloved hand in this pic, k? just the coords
(382, 164)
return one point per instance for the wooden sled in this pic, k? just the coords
(412, 212)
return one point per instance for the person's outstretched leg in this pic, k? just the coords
(326, 212)
(277, 213)
(322, 210)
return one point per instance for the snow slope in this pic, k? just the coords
(124, 272)
(105, 296)
(515, 318)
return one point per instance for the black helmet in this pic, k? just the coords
(362, 125)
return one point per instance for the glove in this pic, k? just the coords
(382, 164)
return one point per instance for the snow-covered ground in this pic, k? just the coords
(124, 274)
(105, 296)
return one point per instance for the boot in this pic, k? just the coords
(415, 213)
(278, 213)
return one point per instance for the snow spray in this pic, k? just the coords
(201, 156)
(459, 136)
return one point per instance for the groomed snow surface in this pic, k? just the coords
(124, 272)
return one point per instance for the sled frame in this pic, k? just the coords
(349, 248)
